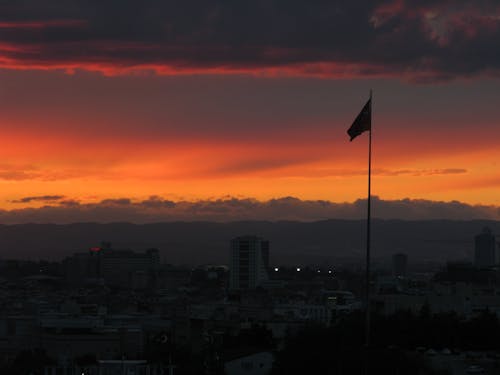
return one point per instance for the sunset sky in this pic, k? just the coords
(162, 105)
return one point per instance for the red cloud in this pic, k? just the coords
(42, 24)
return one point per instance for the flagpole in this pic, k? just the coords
(368, 233)
(361, 124)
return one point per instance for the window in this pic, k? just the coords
(246, 365)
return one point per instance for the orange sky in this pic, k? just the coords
(200, 100)
(316, 161)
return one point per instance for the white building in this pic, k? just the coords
(249, 262)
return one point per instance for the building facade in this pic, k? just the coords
(484, 249)
(121, 268)
(399, 264)
(249, 262)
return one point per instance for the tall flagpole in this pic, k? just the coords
(368, 233)
(362, 123)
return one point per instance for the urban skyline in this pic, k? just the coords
(118, 311)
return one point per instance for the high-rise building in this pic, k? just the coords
(399, 264)
(484, 252)
(249, 262)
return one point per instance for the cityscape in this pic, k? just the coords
(265, 187)
(107, 310)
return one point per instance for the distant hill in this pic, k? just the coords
(327, 241)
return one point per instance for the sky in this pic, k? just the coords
(216, 110)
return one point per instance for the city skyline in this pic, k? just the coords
(99, 111)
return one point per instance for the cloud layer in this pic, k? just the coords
(157, 209)
(419, 40)
(39, 198)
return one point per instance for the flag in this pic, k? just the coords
(363, 121)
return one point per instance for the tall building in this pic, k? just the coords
(399, 264)
(249, 262)
(484, 252)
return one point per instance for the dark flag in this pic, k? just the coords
(363, 122)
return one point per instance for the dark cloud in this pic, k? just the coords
(157, 209)
(259, 164)
(419, 172)
(421, 40)
(116, 202)
(157, 202)
(386, 172)
(40, 198)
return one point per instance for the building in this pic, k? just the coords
(126, 267)
(249, 262)
(399, 264)
(258, 363)
(110, 367)
(484, 250)
(82, 268)
(123, 268)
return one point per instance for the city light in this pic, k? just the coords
(298, 269)
(276, 269)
